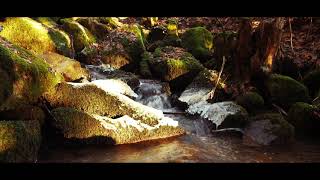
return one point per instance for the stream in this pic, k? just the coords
(199, 144)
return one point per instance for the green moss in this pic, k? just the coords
(251, 101)
(137, 47)
(27, 33)
(29, 75)
(47, 21)
(144, 65)
(62, 42)
(312, 81)
(284, 90)
(24, 113)
(19, 141)
(302, 116)
(198, 41)
(81, 36)
(170, 62)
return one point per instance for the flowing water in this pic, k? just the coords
(198, 145)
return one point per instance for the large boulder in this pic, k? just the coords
(222, 114)
(109, 102)
(34, 36)
(174, 65)
(95, 129)
(94, 25)
(284, 90)
(26, 76)
(251, 101)
(70, 69)
(305, 118)
(268, 129)
(19, 141)
(198, 41)
(81, 36)
(312, 81)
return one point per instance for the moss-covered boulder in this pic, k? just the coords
(304, 118)
(268, 129)
(97, 28)
(102, 101)
(70, 69)
(27, 33)
(26, 76)
(80, 35)
(312, 81)
(251, 101)
(144, 65)
(198, 41)
(284, 90)
(95, 129)
(174, 65)
(25, 113)
(19, 141)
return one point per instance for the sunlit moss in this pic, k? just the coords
(28, 75)
(28, 34)
(198, 40)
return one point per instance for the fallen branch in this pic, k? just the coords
(280, 109)
(211, 93)
(291, 44)
(174, 113)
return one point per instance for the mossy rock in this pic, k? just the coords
(25, 113)
(268, 129)
(251, 101)
(27, 76)
(302, 116)
(312, 81)
(19, 141)
(94, 129)
(144, 65)
(198, 41)
(98, 29)
(175, 65)
(27, 33)
(81, 36)
(93, 100)
(111, 21)
(284, 90)
(70, 69)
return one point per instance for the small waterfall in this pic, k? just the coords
(151, 93)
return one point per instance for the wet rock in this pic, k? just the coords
(19, 141)
(91, 99)
(95, 129)
(223, 114)
(199, 88)
(304, 118)
(198, 41)
(70, 69)
(106, 72)
(284, 90)
(174, 65)
(26, 76)
(251, 101)
(268, 129)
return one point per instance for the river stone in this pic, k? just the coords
(223, 114)
(268, 129)
(95, 129)
(104, 101)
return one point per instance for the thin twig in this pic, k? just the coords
(211, 93)
(280, 109)
(309, 28)
(316, 99)
(291, 44)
